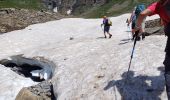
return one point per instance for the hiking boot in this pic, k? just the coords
(143, 36)
(137, 38)
(110, 35)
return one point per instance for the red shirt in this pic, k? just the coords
(163, 11)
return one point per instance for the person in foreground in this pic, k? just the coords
(162, 8)
(107, 24)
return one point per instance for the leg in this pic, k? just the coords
(110, 35)
(143, 30)
(167, 67)
(108, 28)
(143, 35)
(105, 35)
(105, 32)
(133, 31)
(133, 34)
(167, 75)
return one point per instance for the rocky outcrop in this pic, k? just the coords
(42, 91)
(74, 6)
(153, 27)
(14, 19)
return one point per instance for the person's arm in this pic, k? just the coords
(141, 17)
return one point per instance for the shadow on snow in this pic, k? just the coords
(138, 87)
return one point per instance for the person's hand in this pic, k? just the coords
(101, 25)
(137, 28)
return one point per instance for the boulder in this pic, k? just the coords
(42, 91)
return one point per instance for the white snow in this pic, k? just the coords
(90, 67)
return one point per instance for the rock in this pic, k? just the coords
(153, 27)
(42, 91)
(14, 19)
(154, 31)
(153, 23)
(26, 94)
(71, 38)
(63, 6)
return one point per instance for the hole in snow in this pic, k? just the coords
(37, 68)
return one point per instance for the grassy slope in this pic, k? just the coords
(111, 8)
(115, 7)
(27, 4)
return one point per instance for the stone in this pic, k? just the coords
(41, 91)
(26, 94)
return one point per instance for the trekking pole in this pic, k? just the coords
(128, 31)
(136, 34)
(101, 27)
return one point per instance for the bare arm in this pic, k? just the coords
(142, 16)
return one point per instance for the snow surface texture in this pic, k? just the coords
(90, 67)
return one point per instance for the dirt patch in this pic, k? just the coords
(15, 19)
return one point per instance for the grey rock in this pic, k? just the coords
(41, 91)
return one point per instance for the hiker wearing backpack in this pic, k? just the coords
(107, 23)
(162, 8)
(134, 16)
(133, 21)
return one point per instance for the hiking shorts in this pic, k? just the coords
(106, 29)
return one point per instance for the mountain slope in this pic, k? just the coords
(82, 8)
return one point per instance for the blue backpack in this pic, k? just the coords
(139, 9)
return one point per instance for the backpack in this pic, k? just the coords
(110, 22)
(139, 9)
(134, 18)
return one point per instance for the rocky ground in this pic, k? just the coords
(15, 19)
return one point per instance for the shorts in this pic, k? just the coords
(106, 29)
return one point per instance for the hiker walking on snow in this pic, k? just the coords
(107, 23)
(133, 18)
(162, 8)
(133, 21)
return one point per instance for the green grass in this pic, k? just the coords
(100, 11)
(95, 12)
(27, 4)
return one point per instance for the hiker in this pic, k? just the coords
(107, 23)
(161, 8)
(134, 16)
(133, 21)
